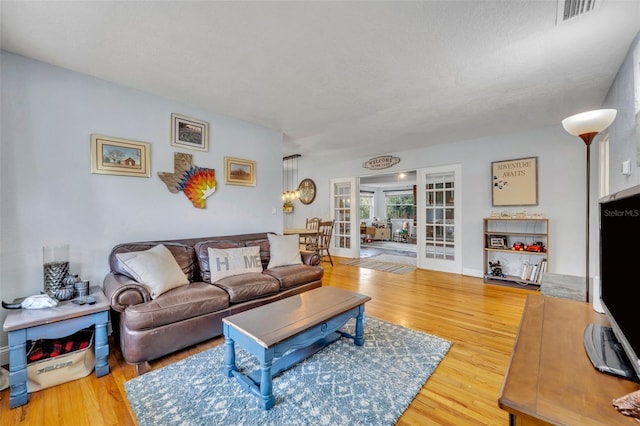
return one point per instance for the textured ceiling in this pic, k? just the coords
(349, 78)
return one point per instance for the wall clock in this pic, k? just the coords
(307, 191)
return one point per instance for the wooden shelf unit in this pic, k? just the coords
(525, 230)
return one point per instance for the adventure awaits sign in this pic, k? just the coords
(515, 182)
(382, 162)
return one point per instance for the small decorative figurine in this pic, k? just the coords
(496, 269)
(518, 246)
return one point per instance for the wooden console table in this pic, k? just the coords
(550, 379)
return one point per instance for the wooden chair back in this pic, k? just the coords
(312, 222)
(325, 231)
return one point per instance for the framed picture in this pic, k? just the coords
(114, 156)
(515, 182)
(239, 172)
(496, 241)
(189, 133)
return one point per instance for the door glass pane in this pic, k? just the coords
(449, 197)
(439, 216)
(342, 215)
(439, 198)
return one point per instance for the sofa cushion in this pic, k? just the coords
(248, 286)
(265, 254)
(202, 254)
(233, 261)
(155, 268)
(295, 275)
(284, 250)
(183, 254)
(189, 301)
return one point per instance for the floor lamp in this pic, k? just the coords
(587, 125)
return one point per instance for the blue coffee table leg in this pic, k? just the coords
(267, 400)
(359, 338)
(229, 355)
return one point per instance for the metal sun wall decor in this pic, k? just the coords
(197, 183)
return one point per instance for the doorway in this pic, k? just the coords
(430, 215)
(387, 217)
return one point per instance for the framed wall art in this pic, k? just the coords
(239, 172)
(115, 156)
(187, 132)
(515, 182)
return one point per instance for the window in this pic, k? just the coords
(366, 206)
(400, 204)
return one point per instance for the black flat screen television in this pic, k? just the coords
(616, 349)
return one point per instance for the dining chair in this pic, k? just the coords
(311, 223)
(323, 242)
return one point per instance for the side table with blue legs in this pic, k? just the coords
(53, 323)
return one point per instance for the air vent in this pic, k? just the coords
(568, 9)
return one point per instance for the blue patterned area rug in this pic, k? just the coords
(343, 384)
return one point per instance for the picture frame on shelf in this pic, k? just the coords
(190, 133)
(515, 182)
(497, 241)
(238, 171)
(116, 156)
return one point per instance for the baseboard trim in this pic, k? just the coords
(472, 272)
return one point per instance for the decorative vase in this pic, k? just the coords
(55, 267)
(82, 288)
(71, 280)
(65, 293)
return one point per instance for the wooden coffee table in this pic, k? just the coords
(306, 322)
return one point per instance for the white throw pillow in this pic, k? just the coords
(233, 261)
(155, 268)
(284, 250)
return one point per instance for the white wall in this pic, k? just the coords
(561, 178)
(560, 186)
(624, 137)
(48, 193)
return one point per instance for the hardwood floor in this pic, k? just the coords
(480, 319)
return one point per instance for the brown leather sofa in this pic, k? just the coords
(151, 328)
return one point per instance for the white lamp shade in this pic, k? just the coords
(589, 122)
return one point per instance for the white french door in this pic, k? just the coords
(344, 210)
(438, 218)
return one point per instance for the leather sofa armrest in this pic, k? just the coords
(310, 258)
(122, 291)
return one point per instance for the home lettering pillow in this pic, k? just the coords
(284, 250)
(155, 268)
(233, 261)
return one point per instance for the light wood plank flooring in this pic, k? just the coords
(480, 319)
